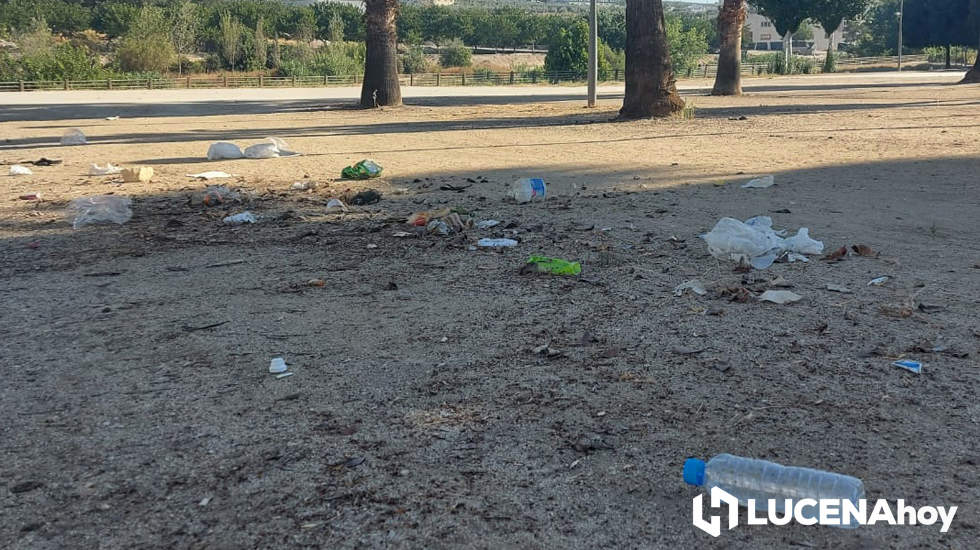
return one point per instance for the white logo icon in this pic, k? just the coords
(713, 527)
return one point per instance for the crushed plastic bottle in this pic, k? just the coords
(528, 189)
(365, 169)
(761, 480)
(99, 209)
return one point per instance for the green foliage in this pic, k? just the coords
(414, 61)
(230, 31)
(455, 54)
(115, 18)
(60, 62)
(568, 51)
(260, 55)
(776, 63)
(687, 46)
(877, 34)
(146, 47)
(64, 17)
(337, 59)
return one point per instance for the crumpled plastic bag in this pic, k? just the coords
(365, 169)
(269, 149)
(73, 136)
(18, 170)
(108, 169)
(224, 150)
(754, 241)
(99, 209)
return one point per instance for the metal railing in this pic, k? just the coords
(473, 78)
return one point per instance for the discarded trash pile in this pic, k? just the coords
(755, 243)
(99, 209)
(271, 148)
(365, 169)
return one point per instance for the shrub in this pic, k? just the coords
(64, 61)
(339, 59)
(414, 61)
(687, 47)
(154, 53)
(456, 54)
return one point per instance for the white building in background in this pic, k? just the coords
(763, 33)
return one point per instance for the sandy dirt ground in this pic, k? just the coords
(139, 411)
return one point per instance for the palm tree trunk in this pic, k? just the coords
(973, 76)
(731, 18)
(380, 87)
(650, 85)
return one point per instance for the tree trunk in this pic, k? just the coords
(973, 75)
(829, 64)
(650, 85)
(949, 63)
(731, 18)
(380, 87)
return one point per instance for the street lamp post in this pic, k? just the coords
(901, 15)
(593, 51)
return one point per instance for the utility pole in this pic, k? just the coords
(901, 15)
(593, 51)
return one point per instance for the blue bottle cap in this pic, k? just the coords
(694, 471)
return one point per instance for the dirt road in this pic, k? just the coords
(140, 413)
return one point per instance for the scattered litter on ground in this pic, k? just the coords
(528, 189)
(285, 374)
(911, 366)
(107, 170)
(141, 174)
(795, 257)
(835, 255)
(365, 169)
(18, 170)
(99, 209)
(369, 196)
(43, 161)
(780, 297)
(214, 174)
(271, 148)
(213, 195)
(487, 224)
(116, 117)
(456, 188)
(73, 136)
(277, 365)
(303, 185)
(223, 150)
(694, 285)
(243, 217)
(864, 250)
(760, 183)
(316, 282)
(554, 266)
(401, 234)
(754, 241)
(496, 243)
(780, 282)
(443, 221)
(336, 205)
(30, 197)
(878, 281)
(838, 288)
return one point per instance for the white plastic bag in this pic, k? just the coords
(244, 217)
(760, 183)
(73, 137)
(755, 242)
(99, 209)
(224, 150)
(18, 170)
(108, 169)
(269, 149)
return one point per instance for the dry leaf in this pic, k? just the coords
(836, 255)
(864, 250)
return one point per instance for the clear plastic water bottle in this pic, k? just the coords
(761, 480)
(528, 189)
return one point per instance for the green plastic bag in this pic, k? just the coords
(366, 169)
(555, 266)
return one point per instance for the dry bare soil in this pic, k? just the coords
(419, 415)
